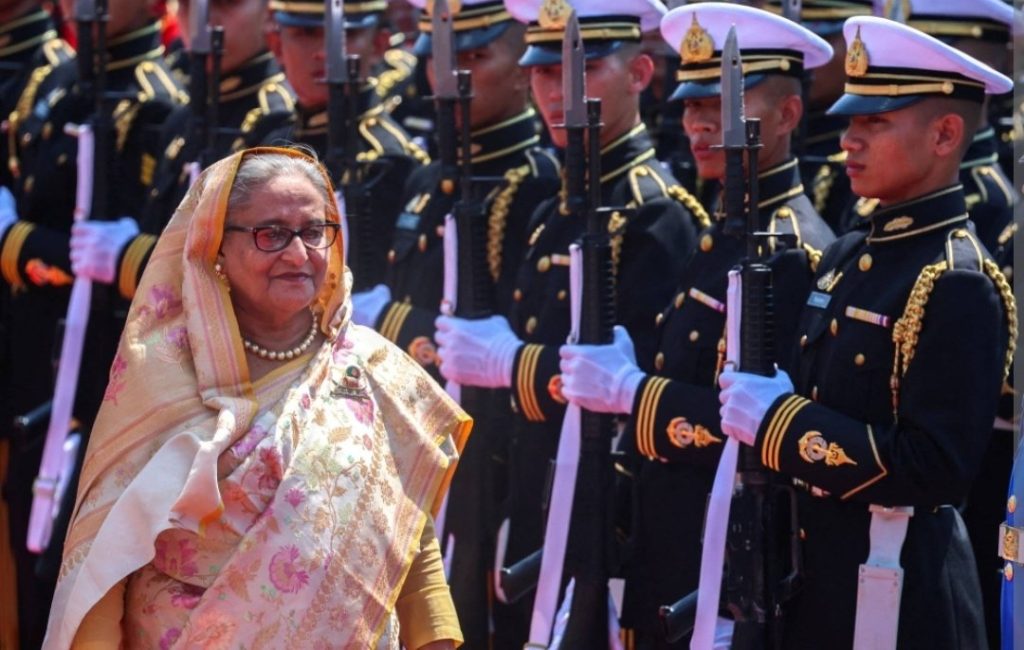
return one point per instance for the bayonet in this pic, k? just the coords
(733, 129)
(336, 70)
(791, 10)
(574, 75)
(443, 52)
(199, 27)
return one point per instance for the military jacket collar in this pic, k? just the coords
(625, 152)
(504, 139)
(314, 121)
(937, 210)
(20, 37)
(124, 52)
(248, 78)
(775, 186)
(982, 150)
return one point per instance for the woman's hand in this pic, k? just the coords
(446, 644)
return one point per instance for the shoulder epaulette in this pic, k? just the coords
(272, 98)
(691, 203)
(498, 217)
(989, 172)
(543, 163)
(157, 83)
(57, 51)
(1007, 234)
(401, 66)
(646, 184)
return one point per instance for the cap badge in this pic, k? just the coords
(554, 14)
(697, 45)
(857, 57)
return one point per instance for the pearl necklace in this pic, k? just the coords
(284, 355)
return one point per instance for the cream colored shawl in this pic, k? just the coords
(180, 395)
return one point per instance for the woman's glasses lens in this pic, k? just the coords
(275, 238)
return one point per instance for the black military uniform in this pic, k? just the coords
(254, 100)
(403, 88)
(34, 253)
(675, 424)
(903, 347)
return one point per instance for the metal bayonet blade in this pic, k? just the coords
(574, 69)
(733, 128)
(791, 10)
(199, 27)
(443, 52)
(334, 41)
(85, 10)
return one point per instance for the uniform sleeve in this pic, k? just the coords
(425, 609)
(101, 627)
(536, 383)
(31, 254)
(410, 328)
(947, 400)
(134, 257)
(662, 432)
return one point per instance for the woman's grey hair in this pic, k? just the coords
(256, 170)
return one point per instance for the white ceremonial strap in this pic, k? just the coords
(716, 522)
(448, 299)
(500, 546)
(339, 201)
(563, 488)
(880, 582)
(194, 169)
(56, 466)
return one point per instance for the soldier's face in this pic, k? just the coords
(499, 83)
(889, 155)
(274, 287)
(615, 80)
(302, 57)
(242, 21)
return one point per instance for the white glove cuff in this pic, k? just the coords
(502, 358)
(629, 383)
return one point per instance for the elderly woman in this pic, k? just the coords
(262, 472)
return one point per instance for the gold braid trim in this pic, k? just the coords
(679, 193)
(616, 232)
(822, 184)
(906, 330)
(20, 113)
(813, 256)
(1010, 304)
(124, 117)
(499, 216)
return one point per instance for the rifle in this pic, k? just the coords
(60, 450)
(757, 581)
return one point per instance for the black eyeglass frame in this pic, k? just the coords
(325, 228)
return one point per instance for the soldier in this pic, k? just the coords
(671, 397)
(821, 159)
(383, 146)
(34, 251)
(519, 350)
(904, 343)
(253, 99)
(515, 174)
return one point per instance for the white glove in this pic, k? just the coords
(367, 305)
(601, 378)
(476, 352)
(746, 398)
(96, 245)
(8, 210)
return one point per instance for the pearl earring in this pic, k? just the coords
(218, 270)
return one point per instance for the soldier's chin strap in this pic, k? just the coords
(880, 582)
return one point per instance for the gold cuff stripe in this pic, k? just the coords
(12, 251)
(131, 263)
(777, 428)
(393, 321)
(525, 382)
(645, 415)
(878, 461)
(465, 22)
(602, 31)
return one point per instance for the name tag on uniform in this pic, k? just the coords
(408, 221)
(819, 299)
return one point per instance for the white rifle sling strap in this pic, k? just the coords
(716, 522)
(880, 582)
(60, 450)
(448, 298)
(563, 488)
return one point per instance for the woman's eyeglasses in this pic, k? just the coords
(271, 239)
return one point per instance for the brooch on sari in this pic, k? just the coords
(353, 384)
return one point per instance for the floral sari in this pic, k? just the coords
(283, 512)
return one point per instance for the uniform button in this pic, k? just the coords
(834, 327)
(814, 393)
(679, 299)
(391, 256)
(562, 294)
(706, 243)
(864, 264)
(422, 243)
(803, 341)
(531, 324)
(62, 159)
(543, 264)
(372, 122)
(659, 361)
(694, 335)
(658, 319)
(859, 360)
(960, 234)
(47, 131)
(1008, 571)
(1011, 504)
(27, 138)
(30, 183)
(517, 295)
(154, 192)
